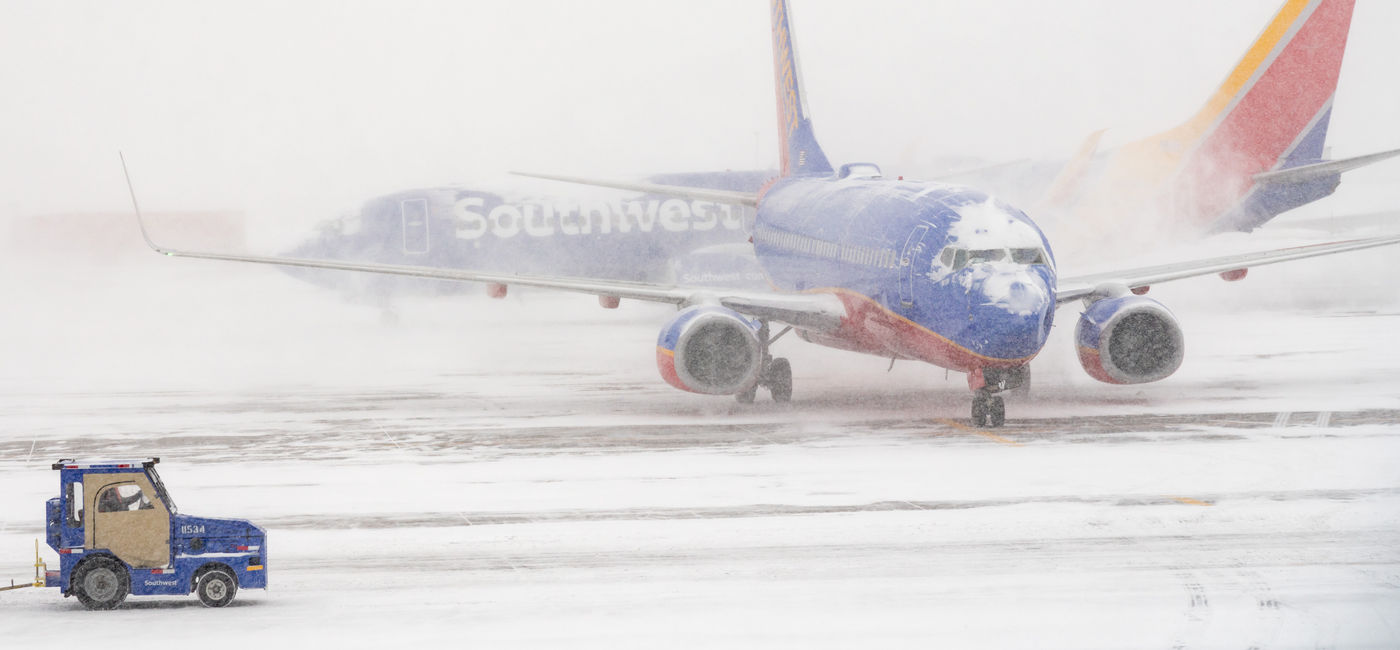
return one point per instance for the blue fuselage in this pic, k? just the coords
(927, 271)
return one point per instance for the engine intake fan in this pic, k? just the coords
(1129, 340)
(710, 350)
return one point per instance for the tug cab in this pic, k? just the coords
(118, 532)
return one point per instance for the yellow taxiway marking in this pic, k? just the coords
(1191, 502)
(990, 436)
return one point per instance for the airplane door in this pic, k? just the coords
(415, 226)
(127, 517)
(913, 248)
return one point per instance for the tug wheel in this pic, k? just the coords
(101, 583)
(216, 588)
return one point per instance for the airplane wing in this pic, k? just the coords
(1114, 282)
(1356, 222)
(817, 312)
(694, 193)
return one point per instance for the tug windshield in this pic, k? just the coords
(160, 490)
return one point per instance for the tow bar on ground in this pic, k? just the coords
(41, 573)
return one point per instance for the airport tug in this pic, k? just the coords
(117, 532)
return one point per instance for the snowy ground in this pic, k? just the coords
(515, 474)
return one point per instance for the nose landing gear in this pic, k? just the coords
(988, 409)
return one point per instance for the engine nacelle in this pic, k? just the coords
(710, 350)
(1129, 340)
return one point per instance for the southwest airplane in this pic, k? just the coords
(1256, 147)
(513, 226)
(933, 272)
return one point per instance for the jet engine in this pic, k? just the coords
(1129, 340)
(710, 350)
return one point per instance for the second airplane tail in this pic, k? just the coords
(1271, 113)
(797, 143)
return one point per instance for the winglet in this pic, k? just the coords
(140, 221)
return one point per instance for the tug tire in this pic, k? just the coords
(101, 583)
(216, 587)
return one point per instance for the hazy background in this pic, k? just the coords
(291, 112)
(283, 114)
(272, 116)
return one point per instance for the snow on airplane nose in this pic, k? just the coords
(1011, 311)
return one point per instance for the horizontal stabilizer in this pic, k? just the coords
(693, 193)
(1315, 171)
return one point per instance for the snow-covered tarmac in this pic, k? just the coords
(514, 474)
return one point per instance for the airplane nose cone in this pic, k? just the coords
(1018, 294)
(1011, 314)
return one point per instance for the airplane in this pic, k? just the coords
(504, 226)
(1242, 172)
(928, 271)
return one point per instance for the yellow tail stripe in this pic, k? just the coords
(1253, 59)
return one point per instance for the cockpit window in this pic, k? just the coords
(957, 258)
(1028, 256)
(987, 255)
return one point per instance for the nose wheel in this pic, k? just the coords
(988, 410)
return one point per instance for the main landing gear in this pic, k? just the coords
(775, 374)
(988, 409)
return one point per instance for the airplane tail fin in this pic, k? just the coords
(1271, 113)
(797, 143)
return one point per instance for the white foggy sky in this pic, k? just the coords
(297, 110)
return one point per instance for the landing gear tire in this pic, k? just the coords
(979, 411)
(988, 411)
(996, 412)
(101, 583)
(779, 380)
(216, 588)
(774, 374)
(1023, 390)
